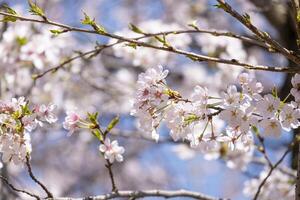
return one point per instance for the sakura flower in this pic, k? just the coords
(46, 113)
(71, 121)
(17, 103)
(271, 127)
(295, 91)
(268, 106)
(232, 116)
(232, 97)
(150, 100)
(289, 117)
(112, 151)
(29, 122)
(175, 118)
(199, 99)
(14, 148)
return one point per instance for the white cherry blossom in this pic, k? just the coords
(112, 151)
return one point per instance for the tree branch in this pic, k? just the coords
(260, 34)
(270, 172)
(49, 194)
(146, 193)
(190, 55)
(5, 180)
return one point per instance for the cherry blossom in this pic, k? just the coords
(71, 122)
(289, 117)
(112, 151)
(268, 106)
(295, 91)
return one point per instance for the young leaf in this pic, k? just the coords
(9, 11)
(88, 21)
(194, 25)
(135, 28)
(112, 124)
(22, 40)
(57, 32)
(34, 9)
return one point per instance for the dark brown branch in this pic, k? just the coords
(260, 34)
(193, 56)
(296, 9)
(49, 194)
(111, 175)
(147, 193)
(270, 172)
(5, 180)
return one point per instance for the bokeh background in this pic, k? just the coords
(72, 166)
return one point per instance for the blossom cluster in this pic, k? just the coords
(110, 150)
(243, 110)
(17, 121)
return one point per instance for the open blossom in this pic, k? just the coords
(17, 120)
(14, 147)
(16, 103)
(250, 86)
(232, 116)
(289, 117)
(150, 99)
(112, 151)
(271, 127)
(295, 91)
(268, 106)
(46, 113)
(232, 97)
(175, 118)
(71, 121)
(199, 100)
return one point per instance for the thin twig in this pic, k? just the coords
(191, 55)
(5, 180)
(49, 194)
(111, 175)
(245, 20)
(263, 150)
(296, 9)
(270, 173)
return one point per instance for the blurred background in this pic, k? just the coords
(72, 166)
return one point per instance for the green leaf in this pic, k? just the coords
(132, 45)
(34, 9)
(298, 16)
(11, 11)
(97, 134)
(193, 58)
(57, 32)
(88, 21)
(247, 17)
(220, 6)
(93, 117)
(112, 124)
(22, 40)
(162, 40)
(135, 28)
